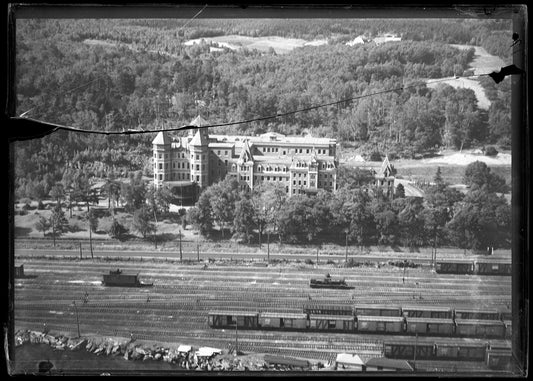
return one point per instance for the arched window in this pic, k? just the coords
(259, 168)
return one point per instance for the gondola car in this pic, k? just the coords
(477, 314)
(283, 320)
(377, 310)
(455, 267)
(429, 349)
(430, 326)
(480, 328)
(462, 351)
(433, 312)
(228, 319)
(380, 324)
(498, 359)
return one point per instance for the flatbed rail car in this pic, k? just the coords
(475, 266)
(117, 279)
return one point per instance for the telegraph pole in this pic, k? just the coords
(77, 318)
(181, 253)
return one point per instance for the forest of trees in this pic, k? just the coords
(146, 78)
(360, 215)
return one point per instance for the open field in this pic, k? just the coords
(175, 309)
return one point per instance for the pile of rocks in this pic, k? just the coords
(133, 351)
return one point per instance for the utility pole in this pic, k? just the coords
(81, 256)
(91, 241)
(77, 318)
(268, 247)
(236, 339)
(53, 229)
(198, 246)
(317, 249)
(346, 248)
(181, 253)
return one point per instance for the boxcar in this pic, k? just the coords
(383, 324)
(494, 267)
(326, 308)
(498, 359)
(455, 267)
(460, 351)
(480, 328)
(244, 319)
(477, 314)
(398, 349)
(283, 320)
(331, 323)
(433, 312)
(377, 310)
(506, 314)
(428, 326)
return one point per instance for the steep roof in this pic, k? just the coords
(386, 168)
(199, 139)
(162, 138)
(389, 363)
(246, 153)
(199, 121)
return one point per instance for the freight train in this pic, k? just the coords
(374, 319)
(475, 267)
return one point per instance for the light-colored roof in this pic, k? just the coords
(207, 351)
(349, 359)
(162, 138)
(389, 363)
(200, 139)
(429, 320)
(285, 315)
(388, 319)
(199, 121)
(330, 317)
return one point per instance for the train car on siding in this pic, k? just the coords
(477, 314)
(480, 328)
(498, 359)
(508, 329)
(455, 267)
(380, 324)
(400, 349)
(332, 323)
(429, 326)
(228, 319)
(118, 279)
(283, 320)
(461, 351)
(433, 312)
(493, 267)
(327, 308)
(377, 310)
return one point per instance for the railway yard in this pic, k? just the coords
(175, 309)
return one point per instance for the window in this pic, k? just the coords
(284, 152)
(197, 157)
(160, 156)
(293, 191)
(226, 163)
(299, 182)
(305, 182)
(197, 178)
(226, 153)
(197, 167)
(188, 166)
(160, 177)
(268, 178)
(294, 182)
(307, 150)
(280, 178)
(174, 165)
(188, 176)
(218, 152)
(155, 155)
(203, 167)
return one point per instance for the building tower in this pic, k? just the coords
(199, 153)
(161, 159)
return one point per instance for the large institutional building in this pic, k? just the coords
(188, 164)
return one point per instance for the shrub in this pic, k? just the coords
(491, 151)
(375, 156)
(40, 205)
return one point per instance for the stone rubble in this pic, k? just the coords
(132, 351)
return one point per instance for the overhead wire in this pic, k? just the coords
(252, 120)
